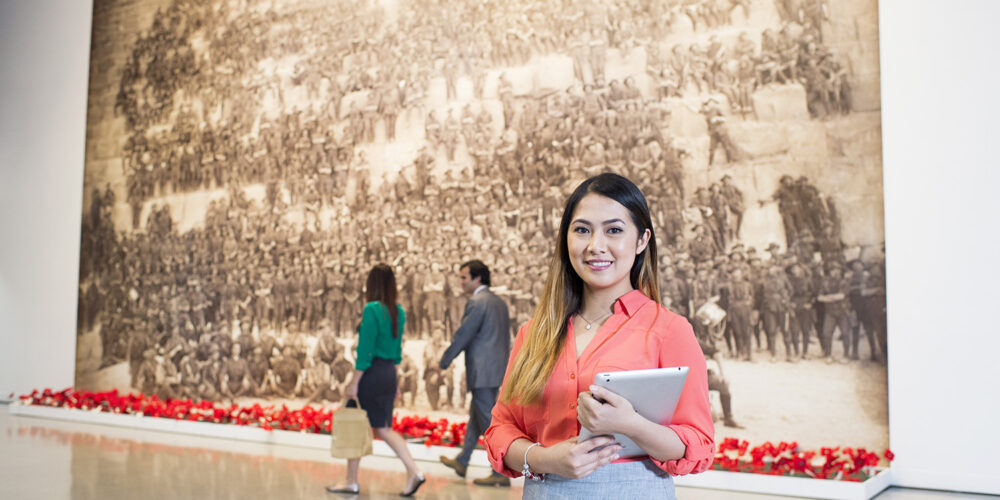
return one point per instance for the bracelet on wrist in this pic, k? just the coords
(526, 470)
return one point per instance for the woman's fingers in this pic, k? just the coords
(596, 442)
(598, 460)
(610, 454)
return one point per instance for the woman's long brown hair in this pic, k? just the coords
(563, 290)
(381, 287)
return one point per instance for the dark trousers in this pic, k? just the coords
(739, 320)
(836, 317)
(803, 322)
(480, 414)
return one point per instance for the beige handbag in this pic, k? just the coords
(351, 433)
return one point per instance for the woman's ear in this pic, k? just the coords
(643, 241)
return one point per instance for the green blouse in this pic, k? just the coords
(376, 340)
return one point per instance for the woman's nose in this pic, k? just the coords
(597, 242)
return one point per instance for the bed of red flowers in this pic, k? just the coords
(785, 459)
(310, 419)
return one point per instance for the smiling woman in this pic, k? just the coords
(599, 312)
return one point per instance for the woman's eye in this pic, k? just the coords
(580, 230)
(615, 230)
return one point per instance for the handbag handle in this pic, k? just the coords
(356, 402)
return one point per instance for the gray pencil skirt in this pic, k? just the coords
(619, 481)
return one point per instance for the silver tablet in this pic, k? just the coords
(653, 393)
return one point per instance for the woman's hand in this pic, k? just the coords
(613, 415)
(351, 392)
(573, 459)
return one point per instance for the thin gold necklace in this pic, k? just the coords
(591, 323)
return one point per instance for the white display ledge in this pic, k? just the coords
(788, 486)
(719, 480)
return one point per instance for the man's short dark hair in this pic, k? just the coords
(478, 270)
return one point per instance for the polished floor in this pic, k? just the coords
(54, 460)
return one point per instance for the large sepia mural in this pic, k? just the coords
(248, 161)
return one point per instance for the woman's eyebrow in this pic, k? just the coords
(587, 222)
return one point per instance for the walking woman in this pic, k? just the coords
(374, 382)
(599, 312)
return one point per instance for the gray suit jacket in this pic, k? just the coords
(485, 338)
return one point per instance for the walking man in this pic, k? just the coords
(484, 336)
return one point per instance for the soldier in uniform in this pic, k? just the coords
(352, 302)
(833, 296)
(145, 376)
(433, 374)
(341, 370)
(407, 380)
(803, 320)
(389, 106)
(702, 247)
(317, 382)
(455, 303)
(734, 201)
(703, 290)
(199, 303)
(874, 296)
(718, 133)
(257, 371)
(264, 315)
(167, 377)
(314, 293)
(190, 375)
(741, 297)
(674, 292)
(419, 313)
(789, 207)
(776, 295)
(327, 348)
(235, 375)
(174, 346)
(139, 342)
(434, 300)
(716, 379)
(335, 304)
(858, 280)
(208, 389)
(284, 378)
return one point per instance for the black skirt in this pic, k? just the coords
(377, 392)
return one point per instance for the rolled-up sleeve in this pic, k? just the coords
(692, 420)
(507, 422)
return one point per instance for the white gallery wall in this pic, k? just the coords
(44, 55)
(940, 133)
(940, 107)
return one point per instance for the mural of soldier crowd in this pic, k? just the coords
(261, 298)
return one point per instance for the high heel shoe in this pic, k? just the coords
(420, 481)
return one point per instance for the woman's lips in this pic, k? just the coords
(598, 265)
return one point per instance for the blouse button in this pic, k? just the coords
(572, 406)
(572, 375)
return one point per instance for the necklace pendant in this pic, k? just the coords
(588, 326)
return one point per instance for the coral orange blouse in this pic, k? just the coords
(639, 334)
